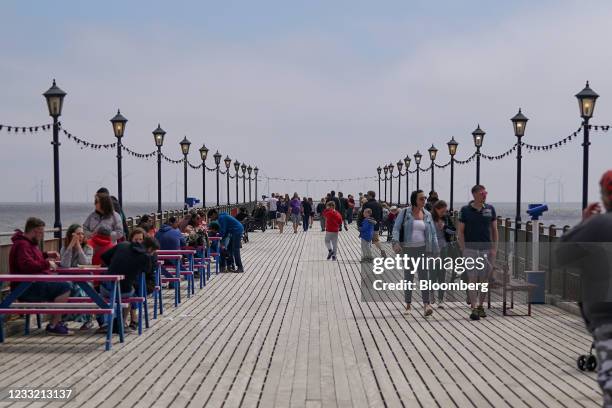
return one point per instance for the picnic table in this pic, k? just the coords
(112, 308)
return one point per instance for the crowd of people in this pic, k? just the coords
(104, 240)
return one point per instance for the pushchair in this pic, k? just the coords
(587, 362)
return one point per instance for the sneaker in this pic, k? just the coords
(481, 311)
(407, 309)
(239, 270)
(102, 329)
(329, 254)
(474, 315)
(133, 325)
(333, 258)
(441, 304)
(58, 330)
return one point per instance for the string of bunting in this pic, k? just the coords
(500, 156)
(194, 166)
(86, 144)
(132, 153)
(169, 160)
(554, 145)
(23, 129)
(319, 180)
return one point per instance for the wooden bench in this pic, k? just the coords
(112, 308)
(510, 285)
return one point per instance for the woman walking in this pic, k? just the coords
(281, 214)
(414, 234)
(296, 211)
(445, 233)
(104, 214)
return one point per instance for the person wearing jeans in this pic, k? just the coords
(414, 234)
(229, 228)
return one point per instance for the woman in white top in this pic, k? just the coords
(414, 234)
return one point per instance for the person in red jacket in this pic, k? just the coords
(333, 223)
(101, 242)
(26, 258)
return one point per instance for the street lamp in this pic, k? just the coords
(158, 137)
(478, 136)
(386, 170)
(399, 181)
(243, 168)
(228, 163)
(586, 102)
(237, 175)
(417, 161)
(391, 167)
(185, 149)
(432, 155)
(217, 157)
(407, 164)
(118, 122)
(55, 102)
(255, 171)
(249, 170)
(203, 156)
(378, 169)
(519, 121)
(452, 150)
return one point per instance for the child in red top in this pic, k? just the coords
(101, 242)
(333, 223)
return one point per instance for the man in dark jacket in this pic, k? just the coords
(377, 214)
(26, 258)
(589, 246)
(343, 208)
(231, 231)
(169, 236)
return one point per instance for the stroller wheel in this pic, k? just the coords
(591, 363)
(581, 362)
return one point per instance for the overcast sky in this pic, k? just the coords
(313, 89)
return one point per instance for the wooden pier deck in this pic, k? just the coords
(293, 331)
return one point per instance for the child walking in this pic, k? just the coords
(333, 223)
(366, 232)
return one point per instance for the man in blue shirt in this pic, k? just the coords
(169, 237)
(478, 238)
(231, 230)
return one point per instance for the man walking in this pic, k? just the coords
(478, 238)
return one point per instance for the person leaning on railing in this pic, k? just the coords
(26, 258)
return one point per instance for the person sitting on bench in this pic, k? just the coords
(26, 258)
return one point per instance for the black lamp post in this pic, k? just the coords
(519, 122)
(217, 157)
(228, 163)
(478, 136)
(399, 181)
(586, 102)
(55, 102)
(243, 168)
(391, 167)
(432, 155)
(385, 170)
(158, 136)
(249, 170)
(417, 161)
(255, 171)
(379, 169)
(203, 156)
(185, 149)
(118, 122)
(237, 175)
(407, 164)
(452, 150)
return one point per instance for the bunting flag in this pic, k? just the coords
(24, 129)
(132, 153)
(319, 180)
(86, 144)
(531, 148)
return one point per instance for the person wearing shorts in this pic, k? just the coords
(272, 208)
(478, 238)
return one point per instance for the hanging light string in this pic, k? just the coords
(559, 143)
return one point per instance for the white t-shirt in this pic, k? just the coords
(272, 204)
(418, 233)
